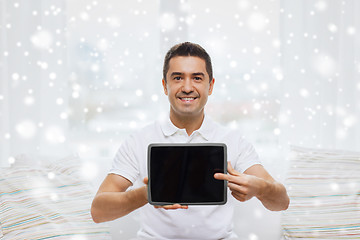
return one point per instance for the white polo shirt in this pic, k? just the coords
(196, 222)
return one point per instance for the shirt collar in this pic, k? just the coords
(168, 128)
(205, 130)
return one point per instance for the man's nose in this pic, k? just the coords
(187, 85)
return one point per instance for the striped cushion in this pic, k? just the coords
(324, 188)
(47, 201)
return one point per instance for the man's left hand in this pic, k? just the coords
(242, 186)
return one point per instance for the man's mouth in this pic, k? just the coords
(187, 99)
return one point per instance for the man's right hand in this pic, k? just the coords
(167, 207)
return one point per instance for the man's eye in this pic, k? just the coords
(197, 78)
(177, 78)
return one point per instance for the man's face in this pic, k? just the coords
(187, 85)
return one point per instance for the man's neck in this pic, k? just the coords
(190, 123)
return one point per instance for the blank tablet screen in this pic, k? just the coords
(184, 173)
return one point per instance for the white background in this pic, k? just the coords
(79, 76)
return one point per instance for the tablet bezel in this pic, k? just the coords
(186, 145)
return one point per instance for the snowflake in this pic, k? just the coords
(79, 237)
(351, 30)
(54, 134)
(103, 44)
(42, 39)
(233, 64)
(243, 5)
(277, 131)
(167, 22)
(257, 50)
(15, 76)
(258, 213)
(26, 129)
(247, 77)
(257, 22)
(51, 175)
(325, 65)
(321, 5)
(52, 76)
(253, 236)
(349, 121)
(154, 97)
(332, 28)
(29, 100)
(11, 160)
(139, 92)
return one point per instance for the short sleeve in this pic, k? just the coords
(125, 162)
(247, 156)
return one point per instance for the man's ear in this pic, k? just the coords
(165, 87)
(211, 86)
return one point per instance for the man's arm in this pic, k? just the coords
(256, 182)
(112, 201)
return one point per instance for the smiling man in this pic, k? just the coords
(188, 85)
(187, 81)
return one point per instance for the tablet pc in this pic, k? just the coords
(184, 174)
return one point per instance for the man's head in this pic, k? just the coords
(187, 49)
(187, 80)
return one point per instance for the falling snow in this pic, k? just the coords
(81, 77)
(42, 39)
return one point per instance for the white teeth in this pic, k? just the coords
(187, 99)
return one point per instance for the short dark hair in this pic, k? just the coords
(188, 49)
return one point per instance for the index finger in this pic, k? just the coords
(222, 176)
(227, 177)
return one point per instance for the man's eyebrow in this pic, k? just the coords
(176, 73)
(199, 73)
(180, 73)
